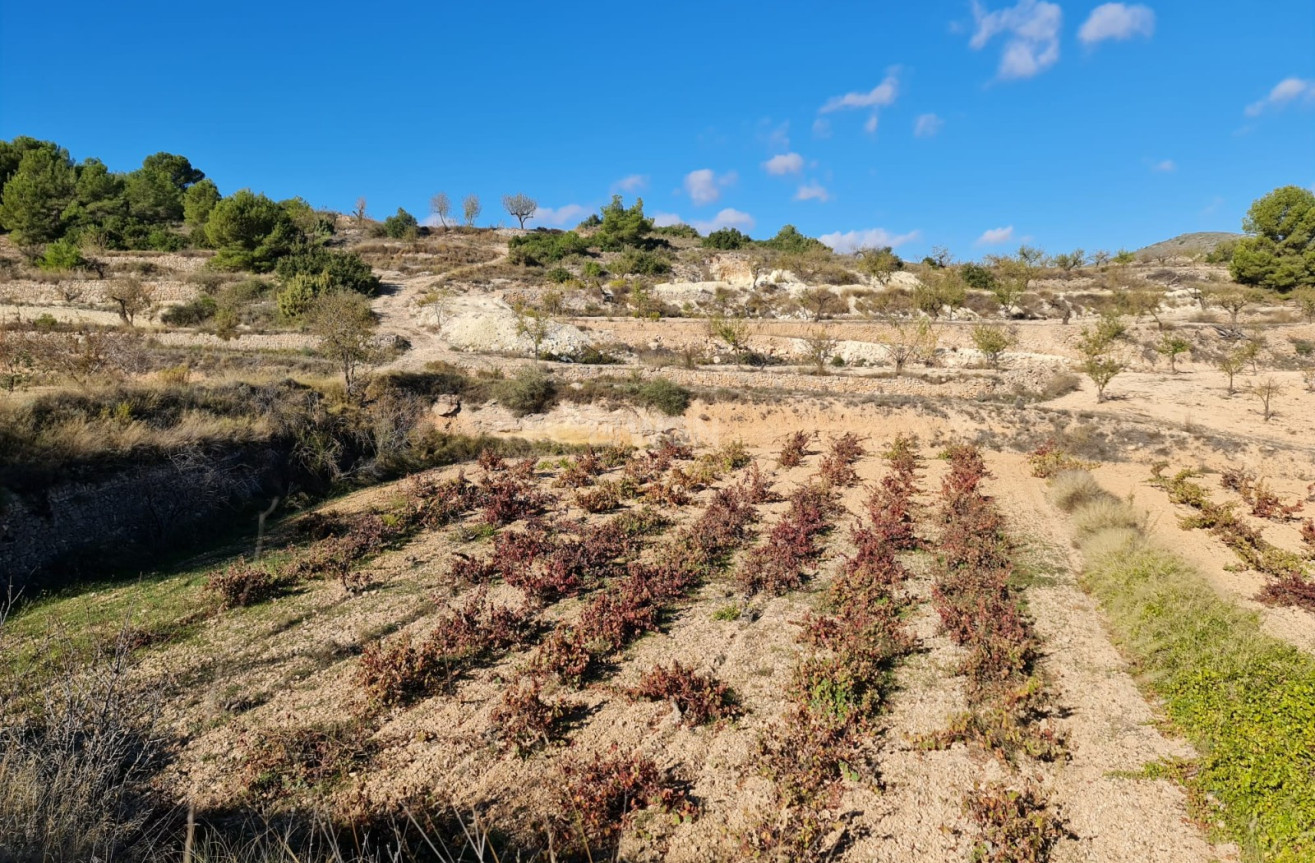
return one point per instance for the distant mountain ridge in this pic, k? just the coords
(1201, 242)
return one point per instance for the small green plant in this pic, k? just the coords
(728, 612)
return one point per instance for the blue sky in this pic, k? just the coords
(970, 125)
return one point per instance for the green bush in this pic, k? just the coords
(401, 226)
(592, 270)
(668, 397)
(61, 256)
(622, 226)
(790, 241)
(639, 262)
(560, 275)
(541, 248)
(727, 238)
(977, 277)
(345, 270)
(192, 313)
(531, 391)
(687, 232)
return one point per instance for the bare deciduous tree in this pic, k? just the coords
(521, 206)
(910, 340)
(132, 297)
(819, 347)
(359, 212)
(440, 206)
(471, 208)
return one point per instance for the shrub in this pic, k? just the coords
(531, 391)
(241, 584)
(191, 313)
(1049, 459)
(794, 449)
(1015, 826)
(699, 698)
(523, 719)
(661, 393)
(401, 225)
(600, 498)
(727, 239)
(1072, 489)
(686, 232)
(597, 797)
(283, 761)
(539, 248)
(61, 256)
(640, 262)
(559, 275)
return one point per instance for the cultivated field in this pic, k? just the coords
(726, 562)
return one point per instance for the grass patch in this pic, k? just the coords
(1244, 699)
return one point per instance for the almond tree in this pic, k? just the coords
(470, 208)
(521, 206)
(1171, 346)
(440, 206)
(1099, 361)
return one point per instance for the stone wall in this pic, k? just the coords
(77, 528)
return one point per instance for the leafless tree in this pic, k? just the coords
(521, 206)
(132, 297)
(471, 209)
(359, 212)
(440, 206)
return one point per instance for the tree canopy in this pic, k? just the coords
(1279, 249)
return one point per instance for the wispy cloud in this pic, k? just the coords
(879, 96)
(786, 163)
(704, 185)
(821, 128)
(1165, 166)
(631, 183)
(1032, 36)
(871, 238)
(664, 220)
(927, 125)
(812, 192)
(1117, 21)
(568, 214)
(996, 236)
(774, 136)
(1286, 92)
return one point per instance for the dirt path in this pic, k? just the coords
(1109, 726)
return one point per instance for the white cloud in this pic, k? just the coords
(1117, 21)
(871, 125)
(927, 125)
(1167, 166)
(663, 220)
(813, 191)
(1285, 92)
(704, 185)
(821, 128)
(786, 163)
(630, 183)
(851, 241)
(879, 96)
(996, 236)
(1033, 36)
(569, 214)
